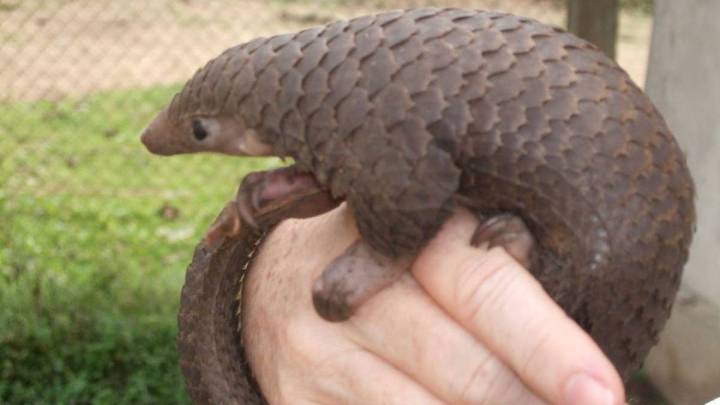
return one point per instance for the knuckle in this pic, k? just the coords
(315, 353)
(491, 382)
(295, 396)
(300, 342)
(481, 287)
(475, 388)
(544, 332)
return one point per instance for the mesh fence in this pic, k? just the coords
(54, 49)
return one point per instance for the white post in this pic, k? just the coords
(684, 82)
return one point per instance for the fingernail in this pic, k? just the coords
(583, 389)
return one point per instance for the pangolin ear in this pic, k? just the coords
(250, 144)
(230, 136)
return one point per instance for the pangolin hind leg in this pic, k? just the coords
(508, 231)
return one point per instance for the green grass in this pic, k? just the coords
(90, 268)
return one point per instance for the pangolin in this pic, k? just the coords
(406, 115)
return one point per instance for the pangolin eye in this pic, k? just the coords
(199, 131)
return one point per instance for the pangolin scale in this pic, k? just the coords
(402, 112)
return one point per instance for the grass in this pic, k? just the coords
(95, 234)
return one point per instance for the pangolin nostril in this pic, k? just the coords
(148, 139)
(145, 138)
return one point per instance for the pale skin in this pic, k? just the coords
(465, 325)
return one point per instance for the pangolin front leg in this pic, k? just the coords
(352, 278)
(266, 198)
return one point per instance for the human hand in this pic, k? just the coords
(465, 326)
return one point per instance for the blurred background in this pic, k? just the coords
(95, 233)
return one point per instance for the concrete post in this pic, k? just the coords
(595, 21)
(684, 82)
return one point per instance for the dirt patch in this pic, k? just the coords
(56, 48)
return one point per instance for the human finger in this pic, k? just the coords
(502, 305)
(341, 372)
(406, 328)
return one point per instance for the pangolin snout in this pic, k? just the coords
(157, 137)
(147, 139)
(153, 142)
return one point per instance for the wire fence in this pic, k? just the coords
(52, 49)
(55, 49)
